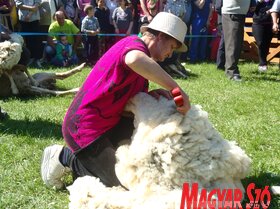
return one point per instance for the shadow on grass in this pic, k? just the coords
(190, 75)
(260, 181)
(34, 97)
(273, 76)
(36, 128)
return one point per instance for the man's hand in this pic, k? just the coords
(181, 100)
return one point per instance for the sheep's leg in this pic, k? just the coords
(14, 87)
(32, 80)
(68, 73)
(37, 90)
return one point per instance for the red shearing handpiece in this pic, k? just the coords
(177, 96)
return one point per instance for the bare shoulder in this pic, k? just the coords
(135, 56)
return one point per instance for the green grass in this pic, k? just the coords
(247, 112)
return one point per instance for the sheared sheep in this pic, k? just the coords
(167, 149)
(10, 53)
(45, 82)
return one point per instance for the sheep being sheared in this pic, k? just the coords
(10, 53)
(45, 82)
(167, 150)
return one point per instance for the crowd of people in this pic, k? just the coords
(97, 25)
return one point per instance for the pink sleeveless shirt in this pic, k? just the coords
(98, 106)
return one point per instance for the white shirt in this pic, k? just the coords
(276, 6)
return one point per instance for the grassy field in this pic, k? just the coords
(247, 112)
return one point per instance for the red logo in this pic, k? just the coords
(223, 199)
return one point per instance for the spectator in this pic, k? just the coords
(29, 16)
(55, 5)
(262, 30)
(44, 24)
(111, 5)
(233, 21)
(176, 7)
(200, 22)
(71, 11)
(221, 57)
(81, 5)
(90, 26)
(135, 8)
(62, 25)
(172, 64)
(5, 10)
(65, 56)
(215, 37)
(149, 9)
(122, 19)
(275, 10)
(93, 124)
(187, 20)
(103, 15)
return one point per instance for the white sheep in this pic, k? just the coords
(10, 53)
(167, 149)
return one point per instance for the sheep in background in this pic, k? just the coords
(167, 149)
(45, 82)
(10, 53)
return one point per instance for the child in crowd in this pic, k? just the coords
(103, 15)
(65, 55)
(90, 26)
(122, 19)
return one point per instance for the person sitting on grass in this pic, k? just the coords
(65, 56)
(65, 26)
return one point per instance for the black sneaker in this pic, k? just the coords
(236, 77)
(233, 76)
(3, 115)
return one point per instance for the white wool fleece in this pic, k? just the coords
(167, 150)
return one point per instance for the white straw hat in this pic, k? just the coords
(171, 25)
